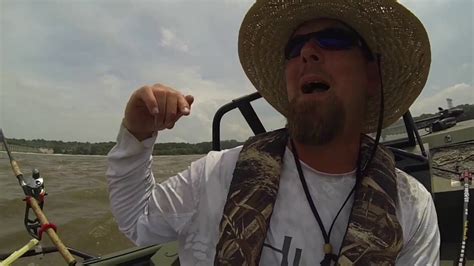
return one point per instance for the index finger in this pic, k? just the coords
(183, 105)
(148, 97)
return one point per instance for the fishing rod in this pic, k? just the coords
(33, 187)
(466, 178)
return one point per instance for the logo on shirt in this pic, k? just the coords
(285, 250)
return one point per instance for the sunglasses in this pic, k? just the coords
(328, 39)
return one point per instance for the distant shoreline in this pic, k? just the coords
(53, 154)
(89, 155)
(40, 146)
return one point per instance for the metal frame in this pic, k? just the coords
(244, 106)
(247, 111)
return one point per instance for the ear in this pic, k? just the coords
(373, 78)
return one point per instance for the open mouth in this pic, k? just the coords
(315, 87)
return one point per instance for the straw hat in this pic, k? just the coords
(388, 28)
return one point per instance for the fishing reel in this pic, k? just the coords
(33, 187)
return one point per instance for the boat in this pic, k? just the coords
(414, 153)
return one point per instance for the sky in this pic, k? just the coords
(68, 68)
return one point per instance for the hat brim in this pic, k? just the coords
(388, 28)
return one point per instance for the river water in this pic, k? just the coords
(77, 202)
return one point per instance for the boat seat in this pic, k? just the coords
(414, 165)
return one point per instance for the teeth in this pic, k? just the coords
(315, 87)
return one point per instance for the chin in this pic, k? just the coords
(313, 124)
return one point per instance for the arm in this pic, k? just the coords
(146, 212)
(421, 226)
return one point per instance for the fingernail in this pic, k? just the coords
(186, 110)
(155, 111)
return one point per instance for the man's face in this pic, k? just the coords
(327, 89)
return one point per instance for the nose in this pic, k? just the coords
(311, 52)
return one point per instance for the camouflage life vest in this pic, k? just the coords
(374, 235)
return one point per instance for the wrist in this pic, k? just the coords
(140, 136)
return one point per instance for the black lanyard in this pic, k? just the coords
(328, 254)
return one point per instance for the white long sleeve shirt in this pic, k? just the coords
(188, 207)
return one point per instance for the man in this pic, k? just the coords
(317, 192)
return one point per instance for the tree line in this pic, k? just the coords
(102, 148)
(171, 148)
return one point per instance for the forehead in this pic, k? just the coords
(318, 24)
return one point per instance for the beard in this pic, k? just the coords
(315, 124)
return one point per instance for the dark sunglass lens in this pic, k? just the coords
(336, 39)
(330, 39)
(294, 47)
(336, 44)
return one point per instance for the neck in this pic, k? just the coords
(336, 157)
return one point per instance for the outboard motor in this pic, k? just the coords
(442, 124)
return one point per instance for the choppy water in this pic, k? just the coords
(77, 202)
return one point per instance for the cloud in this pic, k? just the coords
(466, 66)
(75, 64)
(86, 59)
(39, 108)
(459, 93)
(112, 85)
(422, 2)
(169, 40)
(447, 53)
